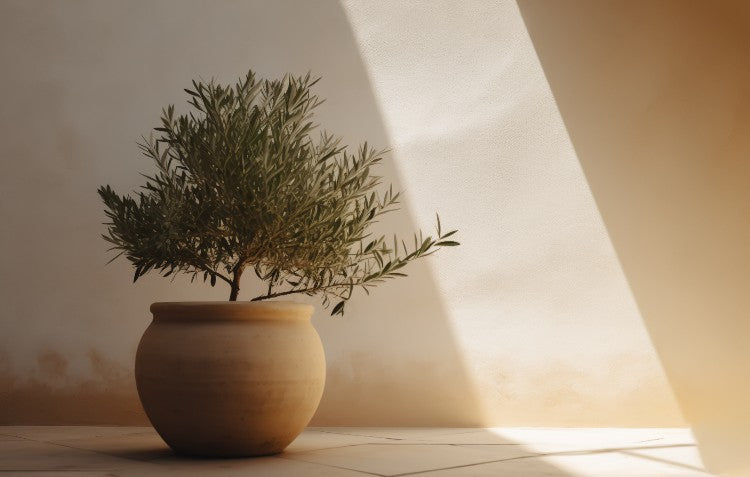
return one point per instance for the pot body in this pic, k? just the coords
(230, 379)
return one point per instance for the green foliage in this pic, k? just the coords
(240, 182)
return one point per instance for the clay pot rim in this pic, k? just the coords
(212, 311)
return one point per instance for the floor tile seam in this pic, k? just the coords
(439, 444)
(407, 473)
(606, 449)
(402, 444)
(443, 434)
(426, 441)
(482, 444)
(665, 461)
(411, 441)
(584, 429)
(125, 459)
(360, 435)
(26, 438)
(650, 440)
(105, 471)
(452, 467)
(439, 434)
(530, 456)
(363, 472)
(343, 446)
(123, 437)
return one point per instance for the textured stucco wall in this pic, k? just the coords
(536, 297)
(529, 322)
(656, 97)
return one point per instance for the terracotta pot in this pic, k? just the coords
(230, 378)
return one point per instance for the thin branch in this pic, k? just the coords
(302, 290)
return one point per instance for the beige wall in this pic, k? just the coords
(529, 322)
(537, 300)
(656, 98)
(88, 78)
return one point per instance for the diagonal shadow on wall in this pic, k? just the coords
(654, 96)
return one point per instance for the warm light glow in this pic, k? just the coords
(535, 296)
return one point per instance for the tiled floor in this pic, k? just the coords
(342, 451)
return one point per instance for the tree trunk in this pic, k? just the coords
(235, 283)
